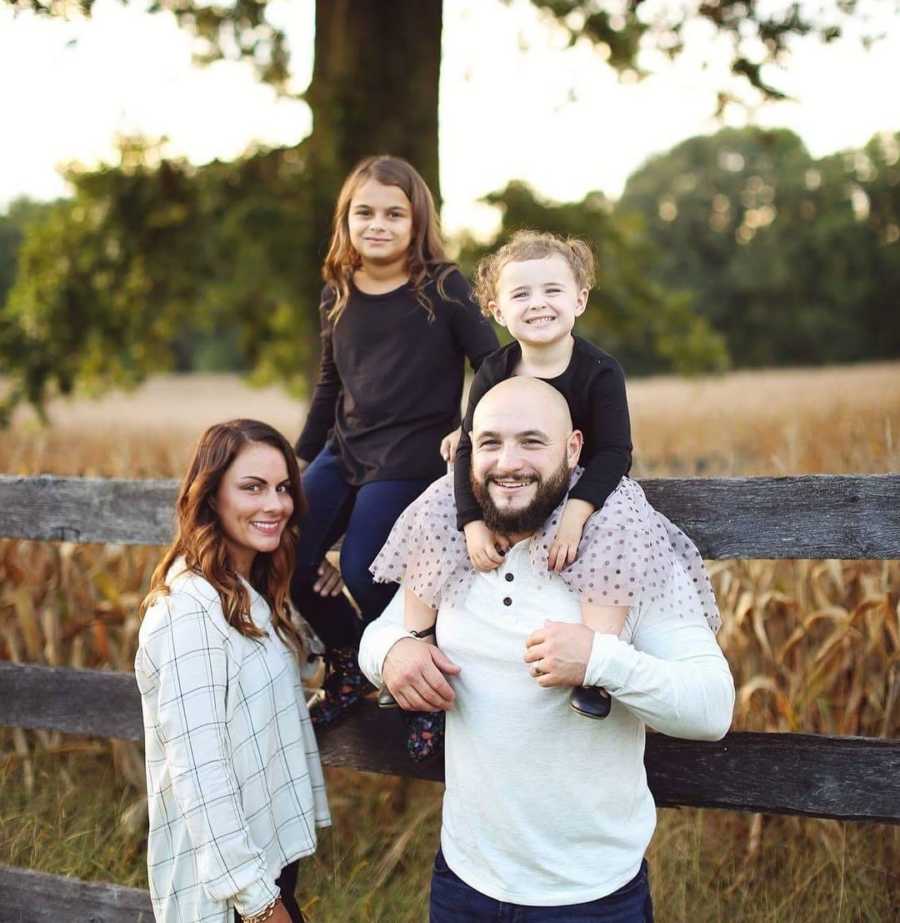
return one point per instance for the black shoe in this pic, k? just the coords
(344, 687)
(385, 699)
(590, 701)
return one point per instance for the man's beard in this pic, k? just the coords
(530, 518)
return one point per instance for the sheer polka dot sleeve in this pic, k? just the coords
(425, 551)
(687, 556)
(627, 552)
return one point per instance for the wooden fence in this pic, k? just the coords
(847, 778)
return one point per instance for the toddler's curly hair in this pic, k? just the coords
(532, 245)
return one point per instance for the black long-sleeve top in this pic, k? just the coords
(390, 380)
(593, 385)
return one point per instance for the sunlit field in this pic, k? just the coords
(814, 646)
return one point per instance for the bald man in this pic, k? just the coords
(546, 816)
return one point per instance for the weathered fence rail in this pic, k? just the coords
(817, 516)
(805, 517)
(33, 897)
(846, 778)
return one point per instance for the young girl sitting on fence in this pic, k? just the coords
(398, 322)
(536, 286)
(234, 783)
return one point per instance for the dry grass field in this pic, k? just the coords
(814, 646)
(788, 421)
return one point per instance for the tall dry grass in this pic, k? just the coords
(781, 422)
(814, 646)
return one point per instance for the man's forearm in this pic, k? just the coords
(689, 696)
(378, 638)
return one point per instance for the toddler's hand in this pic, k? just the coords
(449, 444)
(564, 549)
(486, 549)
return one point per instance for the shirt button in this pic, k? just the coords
(507, 601)
(509, 578)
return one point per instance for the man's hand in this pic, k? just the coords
(415, 674)
(558, 653)
(564, 549)
(486, 548)
(449, 444)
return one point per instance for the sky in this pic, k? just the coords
(515, 103)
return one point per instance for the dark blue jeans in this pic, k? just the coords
(453, 901)
(364, 516)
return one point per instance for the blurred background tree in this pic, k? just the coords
(647, 326)
(154, 264)
(20, 213)
(793, 260)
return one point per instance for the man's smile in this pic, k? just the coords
(511, 486)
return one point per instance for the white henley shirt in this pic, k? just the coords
(542, 806)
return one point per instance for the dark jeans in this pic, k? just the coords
(453, 901)
(364, 516)
(287, 884)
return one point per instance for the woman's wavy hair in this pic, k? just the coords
(199, 538)
(532, 245)
(426, 260)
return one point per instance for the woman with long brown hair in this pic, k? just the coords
(235, 787)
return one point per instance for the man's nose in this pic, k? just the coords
(510, 458)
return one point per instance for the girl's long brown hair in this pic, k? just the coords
(426, 259)
(200, 540)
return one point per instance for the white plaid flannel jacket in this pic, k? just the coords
(234, 782)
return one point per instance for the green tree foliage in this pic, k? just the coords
(793, 260)
(102, 279)
(648, 328)
(152, 257)
(13, 225)
(758, 32)
(153, 262)
(233, 269)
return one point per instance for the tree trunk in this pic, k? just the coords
(374, 91)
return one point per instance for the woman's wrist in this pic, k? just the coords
(256, 898)
(265, 914)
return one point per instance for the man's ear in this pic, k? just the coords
(496, 312)
(574, 444)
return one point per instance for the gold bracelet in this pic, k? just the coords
(264, 914)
